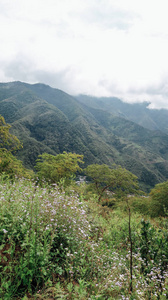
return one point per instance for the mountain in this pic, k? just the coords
(153, 119)
(49, 120)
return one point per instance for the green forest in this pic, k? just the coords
(71, 230)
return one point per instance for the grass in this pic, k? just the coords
(56, 245)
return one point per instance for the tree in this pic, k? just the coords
(54, 168)
(11, 167)
(7, 140)
(9, 143)
(117, 179)
(159, 195)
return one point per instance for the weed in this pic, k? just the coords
(54, 244)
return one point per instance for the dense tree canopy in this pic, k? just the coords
(117, 179)
(53, 168)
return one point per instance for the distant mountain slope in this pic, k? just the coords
(49, 120)
(153, 119)
(39, 125)
(44, 127)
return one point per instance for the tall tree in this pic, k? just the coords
(53, 168)
(117, 179)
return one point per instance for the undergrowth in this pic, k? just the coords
(56, 245)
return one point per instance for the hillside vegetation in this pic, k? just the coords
(139, 113)
(58, 244)
(49, 120)
(63, 239)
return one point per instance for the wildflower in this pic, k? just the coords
(4, 230)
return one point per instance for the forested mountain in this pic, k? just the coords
(103, 130)
(154, 119)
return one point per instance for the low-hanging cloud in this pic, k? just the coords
(22, 69)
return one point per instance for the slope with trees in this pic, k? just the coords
(49, 120)
(139, 113)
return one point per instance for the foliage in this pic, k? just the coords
(159, 195)
(60, 167)
(153, 245)
(138, 203)
(8, 140)
(118, 180)
(11, 167)
(55, 245)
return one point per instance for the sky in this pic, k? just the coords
(109, 48)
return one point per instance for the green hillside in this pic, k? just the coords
(49, 120)
(153, 119)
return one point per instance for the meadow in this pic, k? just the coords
(58, 243)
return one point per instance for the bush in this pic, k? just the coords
(159, 195)
(138, 204)
(11, 167)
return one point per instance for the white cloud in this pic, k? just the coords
(99, 47)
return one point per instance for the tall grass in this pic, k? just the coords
(53, 244)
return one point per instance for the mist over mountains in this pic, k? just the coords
(104, 130)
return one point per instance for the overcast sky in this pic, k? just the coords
(95, 47)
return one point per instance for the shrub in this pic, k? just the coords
(159, 195)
